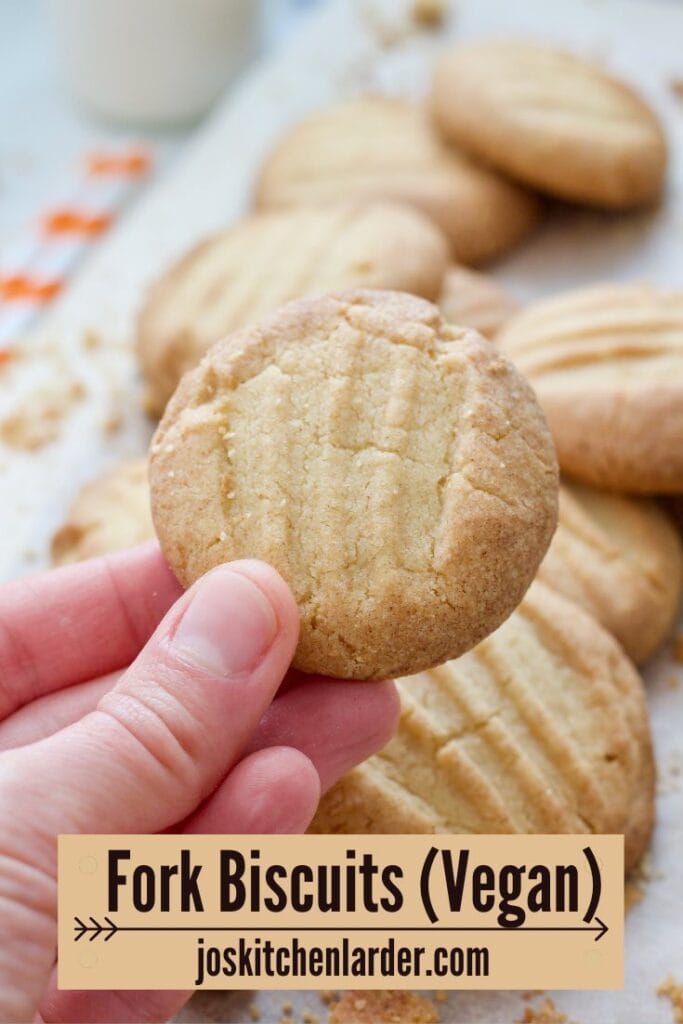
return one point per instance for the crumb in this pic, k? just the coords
(384, 1008)
(286, 1007)
(328, 996)
(672, 681)
(149, 407)
(673, 991)
(387, 33)
(645, 871)
(440, 996)
(112, 424)
(309, 1018)
(254, 1012)
(91, 340)
(676, 86)
(634, 891)
(38, 422)
(430, 13)
(677, 648)
(669, 775)
(545, 1013)
(531, 994)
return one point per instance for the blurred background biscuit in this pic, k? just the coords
(542, 728)
(475, 300)
(551, 120)
(386, 148)
(607, 365)
(396, 471)
(621, 559)
(109, 513)
(252, 268)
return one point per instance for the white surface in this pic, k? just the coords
(340, 53)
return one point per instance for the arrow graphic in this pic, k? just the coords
(96, 929)
(108, 930)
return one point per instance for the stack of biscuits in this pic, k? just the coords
(343, 395)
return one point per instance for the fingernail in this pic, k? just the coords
(228, 625)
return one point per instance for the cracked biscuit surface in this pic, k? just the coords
(382, 147)
(108, 514)
(607, 365)
(248, 270)
(542, 728)
(551, 120)
(397, 472)
(621, 559)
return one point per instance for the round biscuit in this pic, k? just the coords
(108, 514)
(235, 277)
(550, 120)
(472, 299)
(621, 559)
(386, 148)
(395, 470)
(607, 365)
(542, 728)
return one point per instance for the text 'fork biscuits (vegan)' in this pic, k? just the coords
(542, 728)
(396, 470)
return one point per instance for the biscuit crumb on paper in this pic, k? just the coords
(545, 1013)
(386, 1007)
(673, 991)
(634, 891)
(430, 13)
(39, 423)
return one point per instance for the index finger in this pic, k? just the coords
(80, 621)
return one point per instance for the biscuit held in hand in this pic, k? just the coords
(397, 472)
(551, 120)
(542, 728)
(475, 300)
(606, 363)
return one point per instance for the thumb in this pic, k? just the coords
(152, 750)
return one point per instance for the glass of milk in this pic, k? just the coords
(153, 62)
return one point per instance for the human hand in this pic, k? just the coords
(196, 735)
